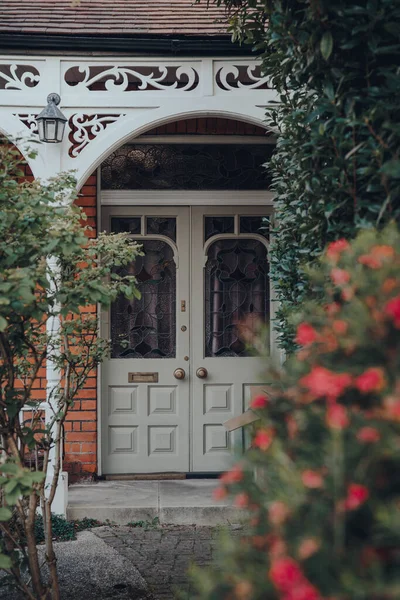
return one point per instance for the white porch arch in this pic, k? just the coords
(110, 100)
(135, 124)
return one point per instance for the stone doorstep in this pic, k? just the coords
(185, 502)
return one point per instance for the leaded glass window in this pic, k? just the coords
(187, 167)
(131, 225)
(252, 224)
(236, 293)
(162, 226)
(217, 225)
(146, 327)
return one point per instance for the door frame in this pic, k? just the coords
(125, 198)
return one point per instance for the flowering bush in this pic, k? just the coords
(322, 520)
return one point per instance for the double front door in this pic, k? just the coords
(180, 362)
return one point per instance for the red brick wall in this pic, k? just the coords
(207, 126)
(80, 445)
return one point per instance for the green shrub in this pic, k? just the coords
(335, 65)
(323, 514)
(63, 530)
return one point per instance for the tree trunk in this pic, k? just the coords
(50, 554)
(34, 568)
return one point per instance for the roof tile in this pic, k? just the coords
(112, 17)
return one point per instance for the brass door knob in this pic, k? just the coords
(201, 372)
(179, 374)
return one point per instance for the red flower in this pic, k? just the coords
(368, 435)
(372, 380)
(263, 439)
(285, 574)
(292, 426)
(306, 334)
(242, 500)
(304, 591)
(392, 310)
(278, 512)
(259, 402)
(340, 276)
(340, 327)
(322, 382)
(392, 408)
(312, 479)
(336, 417)
(220, 493)
(348, 293)
(389, 285)
(356, 495)
(232, 476)
(382, 252)
(335, 249)
(332, 309)
(308, 547)
(369, 261)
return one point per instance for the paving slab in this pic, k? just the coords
(180, 502)
(118, 501)
(191, 502)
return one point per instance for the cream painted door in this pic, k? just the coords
(145, 408)
(230, 291)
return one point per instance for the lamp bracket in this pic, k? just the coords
(55, 98)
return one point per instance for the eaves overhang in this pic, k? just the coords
(174, 45)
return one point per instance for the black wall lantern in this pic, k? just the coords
(51, 121)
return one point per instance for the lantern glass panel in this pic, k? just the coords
(60, 131)
(50, 127)
(40, 125)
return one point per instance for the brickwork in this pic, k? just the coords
(80, 445)
(207, 126)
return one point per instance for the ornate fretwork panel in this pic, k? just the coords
(146, 328)
(21, 77)
(187, 167)
(84, 128)
(132, 78)
(236, 294)
(234, 77)
(29, 121)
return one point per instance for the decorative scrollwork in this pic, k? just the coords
(84, 128)
(17, 77)
(129, 79)
(29, 121)
(234, 77)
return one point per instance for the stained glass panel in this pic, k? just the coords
(217, 225)
(162, 226)
(126, 225)
(187, 167)
(251, 224)
(236, 295)
(146, 328)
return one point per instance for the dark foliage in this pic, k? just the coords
(335, 65)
